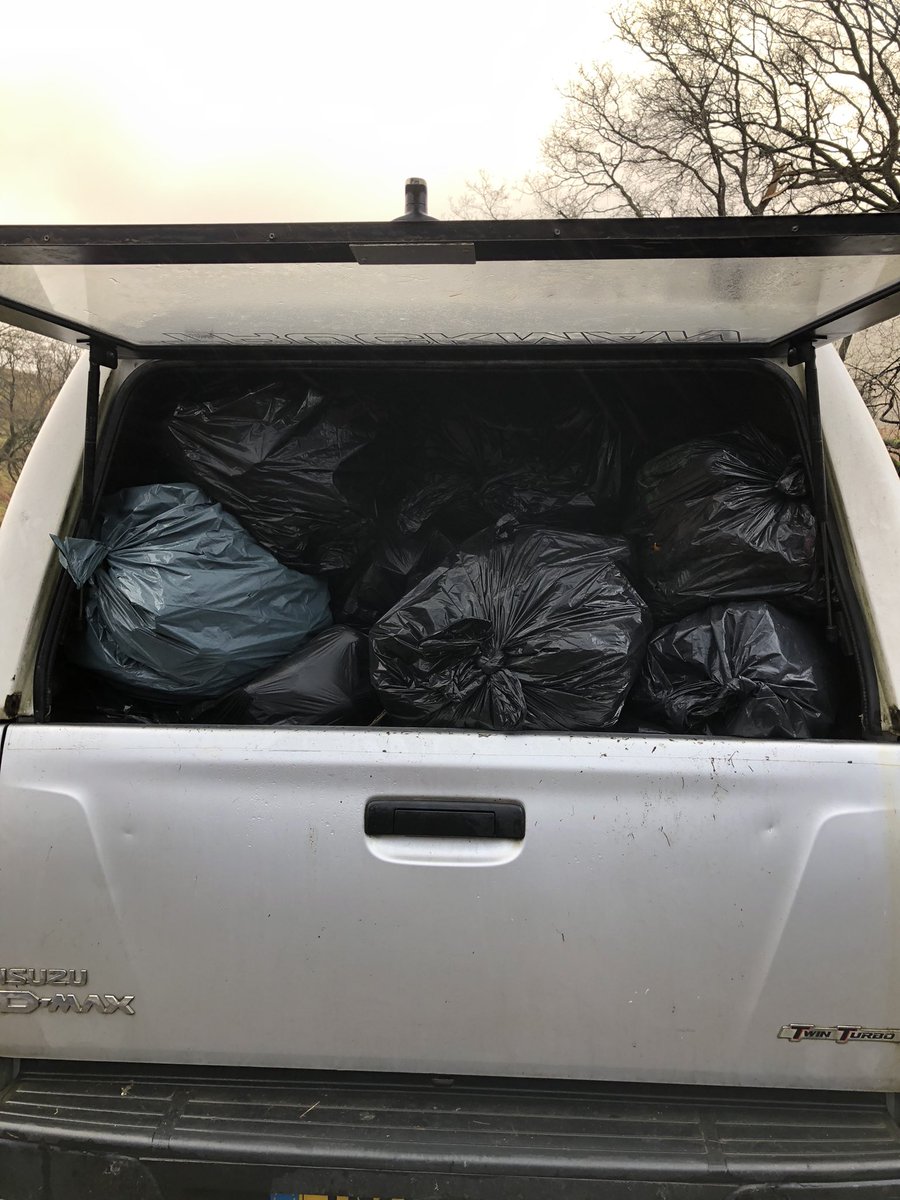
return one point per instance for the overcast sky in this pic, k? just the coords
(263, 111)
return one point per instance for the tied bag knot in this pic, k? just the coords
(81, 557)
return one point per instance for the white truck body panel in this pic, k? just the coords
(865, 495)
(674, 903)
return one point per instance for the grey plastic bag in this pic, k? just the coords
(180, 601)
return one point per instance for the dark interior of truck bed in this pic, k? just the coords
(654, 405)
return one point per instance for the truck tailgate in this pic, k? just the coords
(210, 896)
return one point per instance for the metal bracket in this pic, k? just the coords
(798, 351)
(103, 354)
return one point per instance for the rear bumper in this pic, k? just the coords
(78, 1131)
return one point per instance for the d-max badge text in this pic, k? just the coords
(28, 1002)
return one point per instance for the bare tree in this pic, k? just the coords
(32, 370)
(482, 198)
(738, 107)
(742, 106)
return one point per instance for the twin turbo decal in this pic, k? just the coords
(841, 1035)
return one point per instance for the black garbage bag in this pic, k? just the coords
(325, 683)
(398, 563)
(180, 601)
(83, 697)
(632, 721)
(741, 669)
(556, 465)
(524, 629)
(723, 517)
(300, 471)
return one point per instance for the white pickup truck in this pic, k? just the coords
(682, 981)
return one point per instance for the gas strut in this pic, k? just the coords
(805, 353)
(101, 355)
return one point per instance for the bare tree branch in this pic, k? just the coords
(481, 199)
(739, 106)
